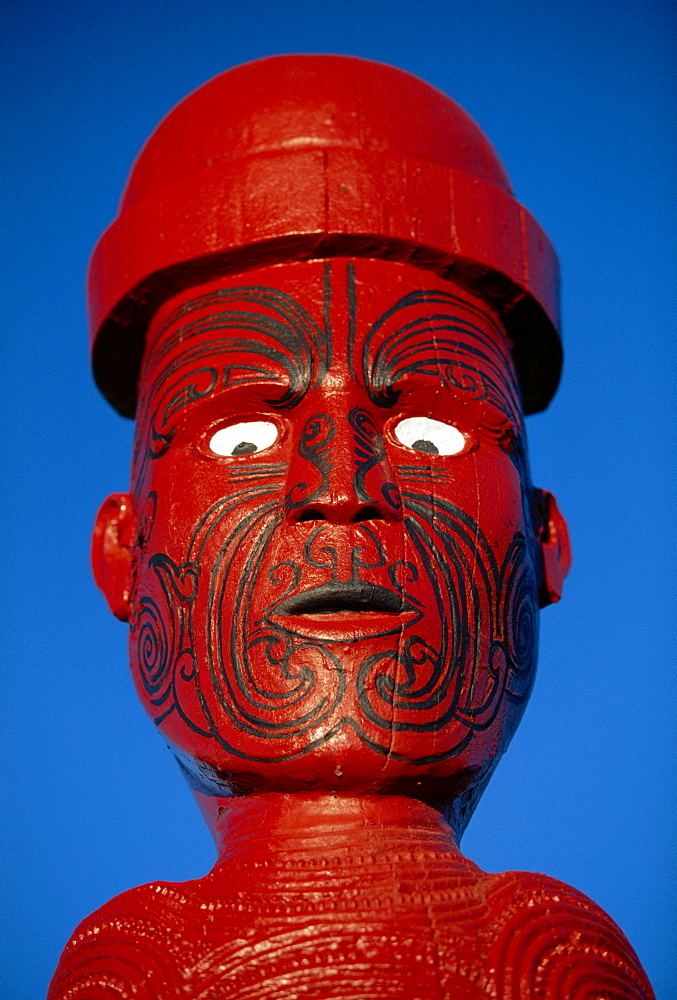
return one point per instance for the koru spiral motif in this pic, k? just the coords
(469, 639)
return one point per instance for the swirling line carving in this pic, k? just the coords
(164, 652)
(460, 681)
(558, 943)
(449, 345)
(315, 447)
(420, 681)
(250, 321)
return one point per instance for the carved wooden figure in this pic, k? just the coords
(329, 316)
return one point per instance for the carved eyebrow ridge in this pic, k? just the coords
(290, 355)
(289, 338)
(397, 355)
(433, 298)
(303, 349)
(281, 303)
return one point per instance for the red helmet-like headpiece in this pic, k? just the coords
(305, 156)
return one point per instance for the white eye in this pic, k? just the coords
(245, 438)
(433, 437)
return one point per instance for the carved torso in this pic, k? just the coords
(343, 907)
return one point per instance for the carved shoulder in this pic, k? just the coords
(511, 936)
(129, 947)
(552, 942)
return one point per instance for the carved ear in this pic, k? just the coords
(553, 536)
(112, 545)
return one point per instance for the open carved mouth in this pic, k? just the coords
(344, 611)
(338, 595)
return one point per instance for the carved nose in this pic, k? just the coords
(337, 475)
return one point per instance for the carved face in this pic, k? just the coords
(335, 572)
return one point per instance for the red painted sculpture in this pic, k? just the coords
(329, 316)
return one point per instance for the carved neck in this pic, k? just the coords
(273, 824)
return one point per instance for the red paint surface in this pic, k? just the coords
(280, 700)
(296, 157)
(350, 899)
(336, 632)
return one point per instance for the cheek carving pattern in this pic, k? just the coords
(211, 638)
(458, 679)
(451, 678)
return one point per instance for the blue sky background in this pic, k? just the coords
(576, 98)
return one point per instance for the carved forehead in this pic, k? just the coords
(253, 324)
(379, 320)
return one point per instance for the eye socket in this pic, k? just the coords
(432, 437)
(245, 438)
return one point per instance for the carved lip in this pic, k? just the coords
(344, 611)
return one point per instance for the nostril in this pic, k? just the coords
(367, 514)
(311, 515)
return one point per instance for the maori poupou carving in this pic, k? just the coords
(329, 316)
